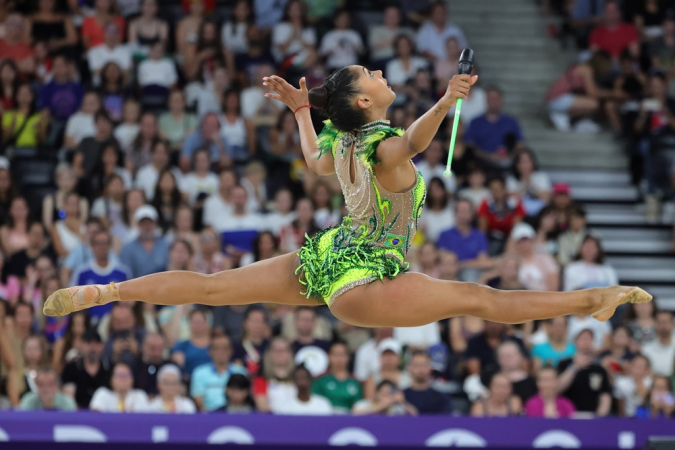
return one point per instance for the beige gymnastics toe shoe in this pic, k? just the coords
(66, 301)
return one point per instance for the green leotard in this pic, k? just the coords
(372, 241)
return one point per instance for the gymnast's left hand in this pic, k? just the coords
(284, 92)
(459, 87)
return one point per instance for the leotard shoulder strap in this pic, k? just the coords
(370, 136)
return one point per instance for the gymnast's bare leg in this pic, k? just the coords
(409, 300)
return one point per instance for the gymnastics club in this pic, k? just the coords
(465, 68)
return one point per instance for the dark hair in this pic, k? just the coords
(384, 383)
(250, 20)
(194, 311)
(301, 308)
(187, 245)
(403, 37)
(174, 202)
(303, 15)
(12, 65)
(238, 381)
(201, 43)
(498, 178)
(119, 83)
(229, 92)
(334, 99)
(318, 184)
(102, 114)
(336, 343)
(252, 309)
(258, 239)
(302, 368)
(516, 160)
(32, 107)
(431, 202)
(419, 353)
(68, 337)
(20, 304)
(10, 219)
(126, 214)
(600, 259)
(577, 210)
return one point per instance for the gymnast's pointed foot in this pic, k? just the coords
(612, 297)
(66, 301)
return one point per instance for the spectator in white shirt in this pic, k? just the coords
(433, 166)
(201, 180)
(218, 207)
(292, 37)
(282, 214)
(157, 70)
(538, 271)
(110, 51)
(476, 192)
(406, 65)
(234, 33)
(632, 389)
(341, 46)
(590, 269)
(381, 38)
(81, 124)
(432, 36)
(126, 132)
(439, 214)
(147, 175)
(169, 399)
(239, 218)
(122, 397)
(661, 351)
(304, 403)
(527, 182)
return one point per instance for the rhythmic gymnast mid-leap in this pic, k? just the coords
(358, 268)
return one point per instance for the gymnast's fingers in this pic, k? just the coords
(274, 96)
(282, 82)
(273, 84)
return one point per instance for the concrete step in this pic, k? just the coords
(645, 275)
(493, 8)
(633, 233)
(623, 215)
(629, 262)
(604, 193)
(590, 178)
(563, 161)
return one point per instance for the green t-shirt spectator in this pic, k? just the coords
(32, 402)
(342, 394)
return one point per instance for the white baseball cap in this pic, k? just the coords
(389, 344)
(146, 212)
(522, 231)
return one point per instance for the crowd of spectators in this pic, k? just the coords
(625, 78)
(165, 155)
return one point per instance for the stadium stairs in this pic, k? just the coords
(514, 52)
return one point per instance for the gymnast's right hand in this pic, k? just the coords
(284, 92)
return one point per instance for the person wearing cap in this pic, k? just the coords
(389, 357)
(100, 270)
(89, 372)
(169, 399)
(148, 253)
(538, 271)
(562, 204)
(583, 380)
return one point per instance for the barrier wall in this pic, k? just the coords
(333, 430)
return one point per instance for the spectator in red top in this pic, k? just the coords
(614, 35)
(498, 214)
(93, 26)
(13, 47)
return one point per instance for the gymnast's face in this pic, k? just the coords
(374, 89)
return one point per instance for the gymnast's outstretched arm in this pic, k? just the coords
(298, 100)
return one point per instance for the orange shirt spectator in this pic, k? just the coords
(93, 31)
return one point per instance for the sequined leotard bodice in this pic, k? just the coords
(375, 237)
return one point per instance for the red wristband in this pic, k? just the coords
(300, 107)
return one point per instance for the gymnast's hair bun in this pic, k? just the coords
(318, 97)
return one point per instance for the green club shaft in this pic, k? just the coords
(458, 110)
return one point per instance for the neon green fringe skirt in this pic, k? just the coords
(334, 261)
